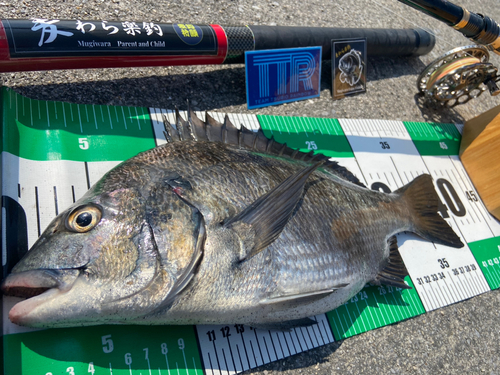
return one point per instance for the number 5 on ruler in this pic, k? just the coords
(84, 143)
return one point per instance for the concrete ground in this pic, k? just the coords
(459, 339)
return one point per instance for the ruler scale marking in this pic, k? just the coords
(95, 117)
(280, 354)
(396, 303)
(465, 288)
(110, 121)
(448, 291)
(381, 315)
(436, 290)
(245, 349)
(483, 210)
(124, 118)
(116, 115)
(228, 370)
(299, 334)
(390, 310)
(314, 337)
(444, 293)
(439, 295)
(465, 188)
(471, 207)
(479, 285)
(315, 329)
(307, 337)
(273, 346)
(473, 282)
(283, 339)
(270, 357)
(453, 288)
(461, 292)
(231, 353)
(359, 314)
(262, 357)
(368, 308)
(299, 122)
(327, 330)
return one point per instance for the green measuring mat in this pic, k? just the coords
(374, 307)
(52, 152)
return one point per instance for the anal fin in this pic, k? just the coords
(395, 271)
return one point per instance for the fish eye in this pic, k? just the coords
(84, 218)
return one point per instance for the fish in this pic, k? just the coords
(219, 225)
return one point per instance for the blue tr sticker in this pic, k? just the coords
(282, 75)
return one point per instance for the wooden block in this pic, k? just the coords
(480, 155)
(475, 126)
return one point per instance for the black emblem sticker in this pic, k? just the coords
(348, 67)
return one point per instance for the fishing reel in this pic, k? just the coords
(458, 76)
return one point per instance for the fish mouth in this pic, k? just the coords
(37, 287)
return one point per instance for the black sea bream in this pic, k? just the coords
(219, 226)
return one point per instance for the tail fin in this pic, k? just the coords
(422, 201)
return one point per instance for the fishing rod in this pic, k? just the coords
(463, 73)
(480, 29)
(47, 44)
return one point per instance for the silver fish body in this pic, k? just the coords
(236, 229)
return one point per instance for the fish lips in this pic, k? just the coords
(38, 286)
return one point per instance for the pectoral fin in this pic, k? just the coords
(269, 214)
(296, 299)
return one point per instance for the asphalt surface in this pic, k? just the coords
(459, 339)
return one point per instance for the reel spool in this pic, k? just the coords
(458, 76)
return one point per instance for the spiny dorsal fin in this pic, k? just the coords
(182, 126)
(395, 271)
(198, 127)
(265, 219)
(231, 136)
(168, 129)
(226, 132)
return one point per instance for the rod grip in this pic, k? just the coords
(380, 42)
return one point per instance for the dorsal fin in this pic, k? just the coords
(395, 271)
(214, 131)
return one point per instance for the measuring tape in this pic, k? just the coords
(54, 151)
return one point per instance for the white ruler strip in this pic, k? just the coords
(236, 348)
